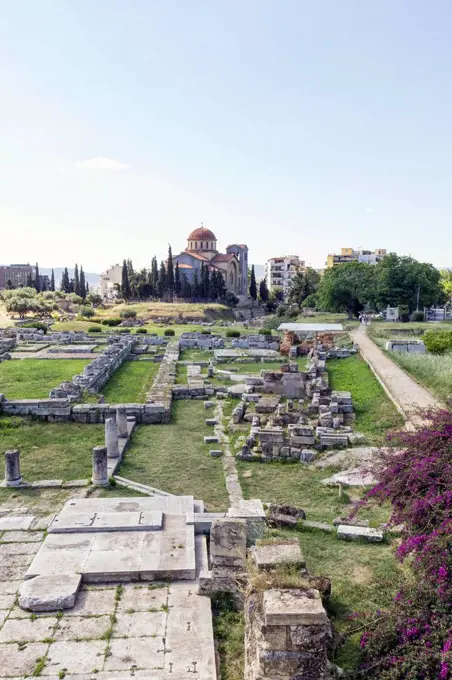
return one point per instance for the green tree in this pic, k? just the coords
(29, 283)
(205, 281)
(186, 287)
(162, 281)
(125, 284)
(170, 283)
(263, 290)
(37, 279)
(65, 283)
(177, 281)
(346, 288)
(304, 283)
(446, 282)
(94, 299)
(253, 285)
(195, 286)
(132, 279)
(154, 276)
(52, 281)
(9, 285)
(76, 280)
(402, 280)
(82, 284)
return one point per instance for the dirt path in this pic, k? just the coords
(407, 394)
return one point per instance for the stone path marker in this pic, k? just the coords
(100, 466)
(121, 422)
(405, 392)
(12, 468)
(111, 438)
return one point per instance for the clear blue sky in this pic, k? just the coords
(294, 126)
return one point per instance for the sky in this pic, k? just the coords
(295, 126)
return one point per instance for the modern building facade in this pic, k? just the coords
(108, 281)
(202, 250)
(279, 272)
(351, 255)
(16, 275)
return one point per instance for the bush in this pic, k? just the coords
(169, 332)
(310, 302)
(412, 638)
(39, 325)
(417, 316)
(282, 310)
(438, 342)
(128, 314)
(123, 330)
(206, 332)
(230, 299)
(404, 313)
(87, 312)
(264, 331)
(232, 334)
(94, 329)
(111, 322)
(142, 331)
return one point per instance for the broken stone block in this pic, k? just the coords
(216, 453)
(49, 593)
(228, 542)
(347, 532)
(279, 552)
(293, 607)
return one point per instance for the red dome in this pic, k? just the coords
(202, 234)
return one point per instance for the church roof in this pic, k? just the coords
(202, 234)
(197, 256)
(223, 257)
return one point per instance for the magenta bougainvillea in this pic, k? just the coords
(412, 639)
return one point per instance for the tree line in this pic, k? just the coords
(165, 281)
(395, 281)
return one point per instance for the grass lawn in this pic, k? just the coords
(375, 413)
(34, 378)
(434, 371)
(51, 450)
(174, 457)
(196, 355)
(130, 383)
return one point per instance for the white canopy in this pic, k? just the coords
(312, 327)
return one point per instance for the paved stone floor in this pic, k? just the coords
(407, 393)
(115, 631)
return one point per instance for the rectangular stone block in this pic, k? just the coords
(293, 607)
(348, 532)
(228, 540)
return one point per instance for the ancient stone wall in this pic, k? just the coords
(201, 341)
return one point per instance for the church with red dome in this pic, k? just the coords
(202, 249)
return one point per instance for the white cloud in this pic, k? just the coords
(101, 164)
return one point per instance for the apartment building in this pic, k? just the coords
(279, 272)
(352, 255)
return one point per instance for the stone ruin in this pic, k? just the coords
(198, 340)
(256, 342)
(314, 417)
(6, 346)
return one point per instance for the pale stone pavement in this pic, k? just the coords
(405, 391)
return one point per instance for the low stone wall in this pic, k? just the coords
(406, 346)
(98, 372)
(161, 392)
(256, 342)
(6, 346)
(200, 341)
(62, 410)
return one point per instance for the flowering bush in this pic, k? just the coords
(412, 640)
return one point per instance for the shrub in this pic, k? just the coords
(404, 313)
(87, 312)
(123, 330)
(233, 334)
(230, 299)
(39, 325)
(310, 302)
(438, 341)
(112, 321)
(282, 310)
(206, 332)
(168, 332)
(128, 314)
(417, 316)
(142, 331)
(94, 329)
(413, 637)
(264, 331)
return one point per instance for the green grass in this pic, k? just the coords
(431, 370)
(34, 378)
(375, 413)
(174, 457)
(130, 383)
(229, 633)
(196, 355)
(151, 327)
(51, 450)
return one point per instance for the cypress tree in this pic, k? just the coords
(82, 284)
(205, 282)
(186, 287)
(253, 285)
(195, 285)
(65, 284)
(155, 276)
(263, 290)
(170, 283)
(29, 281)
(52, 281)
(125, 285)
(162, 280)
(37, 281)
(76, 280)
(177, 281)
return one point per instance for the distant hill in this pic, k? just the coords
(90, 277)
